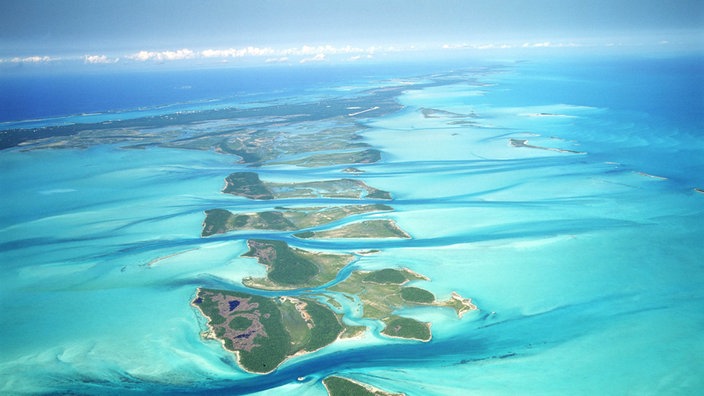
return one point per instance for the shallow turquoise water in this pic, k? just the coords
(586, 265)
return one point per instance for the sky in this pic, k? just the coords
(134, 31)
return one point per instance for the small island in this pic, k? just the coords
(220, 221)
(339, 386)
(383, 292)
(318, 160)
(384, 228)
(263, 332)
(248, 185)
(523, 143)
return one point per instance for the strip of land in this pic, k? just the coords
(524, 143)
(383, 228)
(220, 221)
(248, 184)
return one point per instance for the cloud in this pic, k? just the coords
(308, 50)
(29, 59)
(548, 44)
(316, 58)
(358, 57)
(485, 46)
(282, 59)
(537, 45)
(237, 52)
(161, 56)
(96, 59)
(494, 46)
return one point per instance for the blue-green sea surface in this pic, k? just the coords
(561, 197)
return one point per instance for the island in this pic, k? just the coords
(318, 160)
(249, 185)
(290, 268)
(263, 332)
(340, 386)
(383, 292)
(383, 228)
(524, 143)
(220, 221)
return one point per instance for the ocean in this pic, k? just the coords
(562, 195)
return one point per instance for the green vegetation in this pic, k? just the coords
(266, 331)
(246, 184)
(417, 295)
(382, 292)
(338, 386)
(240, 323)
(285, 267)
(316, 216)
(262, 345)
(290, 267)
(364, 229)
(296, 324)
(338, 188)
(387, 275)
(360, 157)
(327, 326)
(397, 326)
(378, 194)
(218, 221)
(273, 348)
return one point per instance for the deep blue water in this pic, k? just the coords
(39, 96)
(670, 88)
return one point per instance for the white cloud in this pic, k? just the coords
(282, 59)
(29, 59)
(308, 50)
(548, 44)
(237, 52)
(95, 59)
(143, 56)
(358, 57)
(536, 45)
(316, 58)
